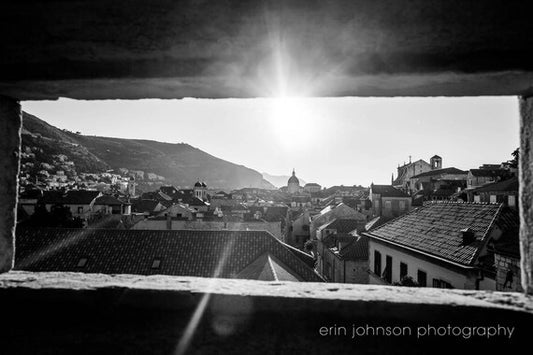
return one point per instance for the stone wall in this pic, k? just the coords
(505, 264)
(67, 313)
(10, 125)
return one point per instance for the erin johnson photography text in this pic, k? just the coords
(422, 331)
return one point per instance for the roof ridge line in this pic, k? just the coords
(272, 267)
(489, 228)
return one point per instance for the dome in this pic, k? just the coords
(293, 179)
(204, 184)
(198, 184)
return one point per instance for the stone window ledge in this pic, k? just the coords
(66, 313)
(190, 286)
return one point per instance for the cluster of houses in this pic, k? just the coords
(431, 227)
(61, 173)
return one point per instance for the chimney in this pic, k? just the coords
(169, 221)
(468, 235)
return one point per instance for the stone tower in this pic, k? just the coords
(436, 162)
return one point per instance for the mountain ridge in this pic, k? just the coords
(179, 163)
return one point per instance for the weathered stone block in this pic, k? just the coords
(526, 192)
(10, 124)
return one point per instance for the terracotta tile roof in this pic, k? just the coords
(303, 256)
(342, 225)
(71, 197)
(356, 250)
(388, 191)
(181, 253)
(374, 223)
(440, 172)
(156, 195)
(489, 172)
(267, 268)
(31, 194)
(508, 185)
(435, 229)
(192, 201)
(144, 205)
(169, 190)
(509, 243)
(108, 200)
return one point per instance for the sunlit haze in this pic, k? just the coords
(330, 141)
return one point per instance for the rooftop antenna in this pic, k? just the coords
(409, 159)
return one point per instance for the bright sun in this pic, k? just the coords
(293, 121)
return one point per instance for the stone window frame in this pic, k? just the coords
(10, 148)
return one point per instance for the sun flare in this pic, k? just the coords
(294, 121)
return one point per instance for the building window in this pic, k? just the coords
(388, 205)
(477, 198)
(422, 278)
(80, 210)
(156, 263)
(437, 283)
(493, 198)
(403, 270)
(377, 262)
(511, 200)
(82, 262)
(387, 273)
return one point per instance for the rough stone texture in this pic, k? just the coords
(233, 48)
(306, 291)
(10, 125)
(526, 192)
(72, 313)
(503, 265)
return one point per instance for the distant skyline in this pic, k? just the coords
(330, 141)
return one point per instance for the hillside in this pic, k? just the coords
(179, 164)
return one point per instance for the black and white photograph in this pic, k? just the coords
(266, 176)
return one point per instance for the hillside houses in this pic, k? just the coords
(437, 184)
(505, 192)
(432, 230)
(80, 202)
(342, 253)
(388, 201)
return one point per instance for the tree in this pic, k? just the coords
(516, 155)
(309, 246)
(407, 281)
(39, 218)
(59, 216)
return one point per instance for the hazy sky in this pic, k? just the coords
(327, 140)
